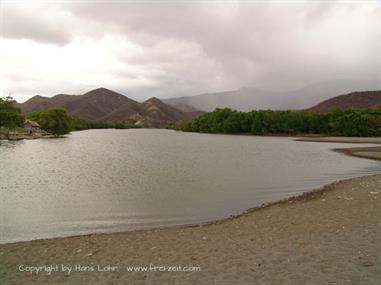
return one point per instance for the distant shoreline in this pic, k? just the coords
(360, 152)
(330, 139)
(23, 136)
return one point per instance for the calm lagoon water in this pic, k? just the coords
(117, 180)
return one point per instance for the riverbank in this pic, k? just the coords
(19, 137)
(330, 236)
(375, 140)
(363, 152)
(22, 135)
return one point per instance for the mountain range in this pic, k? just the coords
(247, 99)
(106, 105)
(358, 100)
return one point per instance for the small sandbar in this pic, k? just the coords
(364, 152)
(373, 140)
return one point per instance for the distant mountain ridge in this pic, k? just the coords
(106, 105)
(247, 99)
(356, 100)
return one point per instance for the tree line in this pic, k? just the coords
(352, 122)
(58, 121)
(55, 121)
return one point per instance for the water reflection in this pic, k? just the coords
(10, 144)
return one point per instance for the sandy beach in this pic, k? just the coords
(328, 236)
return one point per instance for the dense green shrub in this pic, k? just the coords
(10, 116)
(353, 122)
(76, 123)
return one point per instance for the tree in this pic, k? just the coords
(232, 124)
(55, 121)
(352, 122)
(10, 116)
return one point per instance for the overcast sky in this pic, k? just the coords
(174, 48)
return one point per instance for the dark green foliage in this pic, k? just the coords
(10, 116)
(364, 122)
(55, 121)
(77, 124)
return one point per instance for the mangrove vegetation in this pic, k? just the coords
(352, 122)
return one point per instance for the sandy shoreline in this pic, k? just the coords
(327, 236)
(362, 152)
(371, 140)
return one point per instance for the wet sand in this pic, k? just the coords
(328, 236)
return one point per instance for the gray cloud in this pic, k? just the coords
(259, 42)
(26, 21)
(184, 48)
